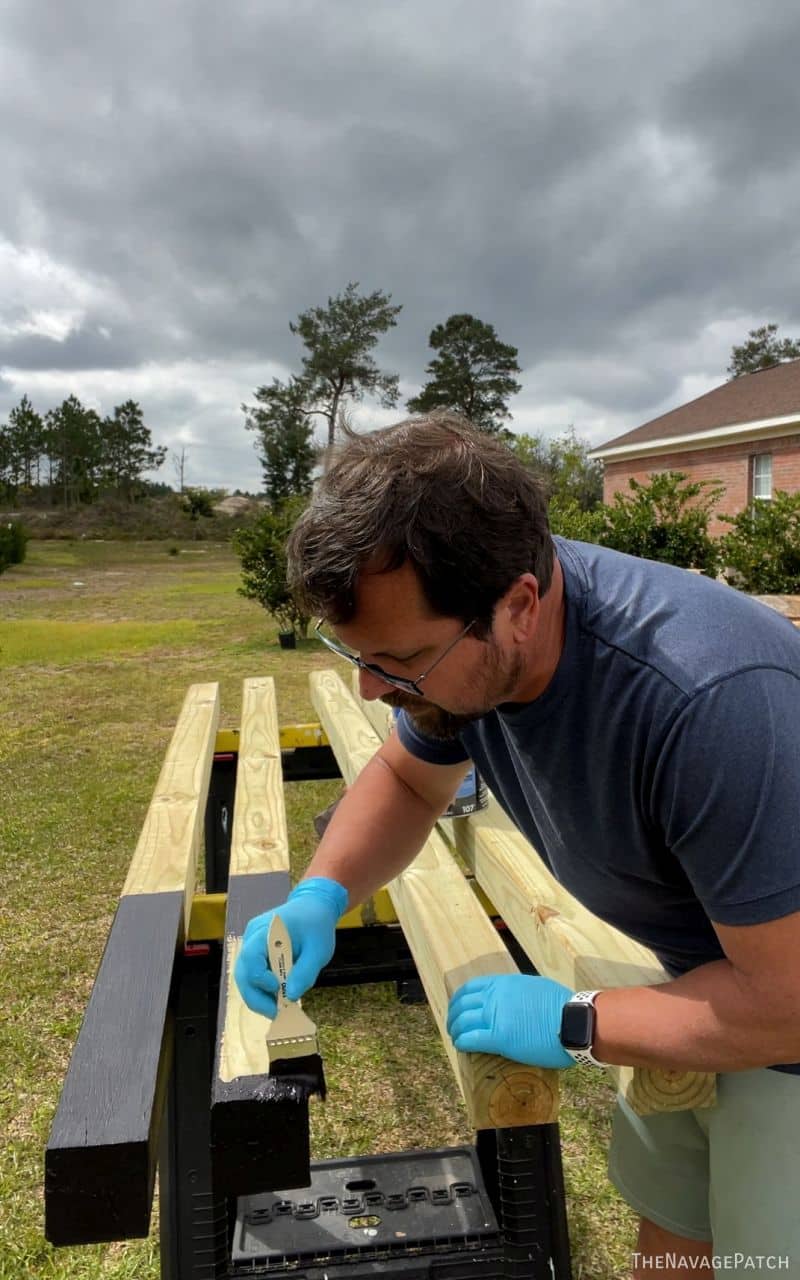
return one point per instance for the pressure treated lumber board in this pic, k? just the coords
(568, 943)
(379, 715)
(788, 605)
(449, 935)
(103, 1147)
(257, 1143)
(259, 838)
(563, 939)
(172, 836)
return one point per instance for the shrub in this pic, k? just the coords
(197, 503)
(665, 520)
(262, 551)
(13, 544)
(762, 551)
(568, 518)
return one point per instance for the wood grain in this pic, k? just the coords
(562, 939)
(566, 942)
(257, 1140)
(352, 737)
(259, 838)
(243, 1046)
(169, 845)
(379, 715)
(449, 935)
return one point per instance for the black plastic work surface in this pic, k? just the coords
(367, 1208)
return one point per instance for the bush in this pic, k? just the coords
(197, 503)
(262, 550)
(762, 551)
(568, 518)
(665, 520)
(13, 544)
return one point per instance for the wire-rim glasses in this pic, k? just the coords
(398, 682)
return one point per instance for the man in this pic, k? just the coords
(639, 724)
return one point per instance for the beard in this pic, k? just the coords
(430, 720)
(499, 679)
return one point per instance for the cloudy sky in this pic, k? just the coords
(614, 185)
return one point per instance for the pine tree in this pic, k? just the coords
(473, 373)
(339, 339)
(285, 445)
(762, 350)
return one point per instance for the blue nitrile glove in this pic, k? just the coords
(514, 1015)
(310, 914)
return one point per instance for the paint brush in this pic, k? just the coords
(294, 1058)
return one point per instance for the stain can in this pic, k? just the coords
(470, 797)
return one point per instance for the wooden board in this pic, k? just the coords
(449, 935)
(259, 839)
(102, 1151)
(257, 1143)
(789, 606)
(566, 942)
(563, 939)
(172, 836)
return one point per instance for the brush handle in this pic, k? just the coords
(279, 957)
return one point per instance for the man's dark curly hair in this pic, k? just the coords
(456, 503)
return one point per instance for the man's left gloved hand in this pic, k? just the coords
(514, 1015)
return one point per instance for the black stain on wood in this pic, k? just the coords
(258, 1141)
(102, 1152)
(249, 896)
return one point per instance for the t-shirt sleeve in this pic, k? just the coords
(727, 796)
(431, 750)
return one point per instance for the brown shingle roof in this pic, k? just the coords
(769, 393)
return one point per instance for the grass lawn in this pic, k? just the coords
(98, 642)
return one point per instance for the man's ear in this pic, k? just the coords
(521, 606)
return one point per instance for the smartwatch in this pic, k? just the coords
(578, 1019)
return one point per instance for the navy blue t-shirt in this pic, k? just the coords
(658, 774)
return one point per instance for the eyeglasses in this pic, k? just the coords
(399, 682)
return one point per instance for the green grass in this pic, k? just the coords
(63, 644)
(93, 678)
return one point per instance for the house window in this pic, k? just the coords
(762, 475)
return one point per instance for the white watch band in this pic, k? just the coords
(584, 1056)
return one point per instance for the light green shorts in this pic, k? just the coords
(729, 1173)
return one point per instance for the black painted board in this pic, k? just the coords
(257, 1142)
(257, 1145)
(102, 1152)
(249, 895)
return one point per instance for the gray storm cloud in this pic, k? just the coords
(616, 187)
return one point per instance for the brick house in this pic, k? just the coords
(744, 435)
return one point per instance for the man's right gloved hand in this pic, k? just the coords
(310, 914)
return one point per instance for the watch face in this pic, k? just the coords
(577, 1026)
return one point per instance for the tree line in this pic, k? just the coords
(72, 455)
(472, 372)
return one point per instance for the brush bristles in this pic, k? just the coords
(296, 1079)
(295, 1066)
